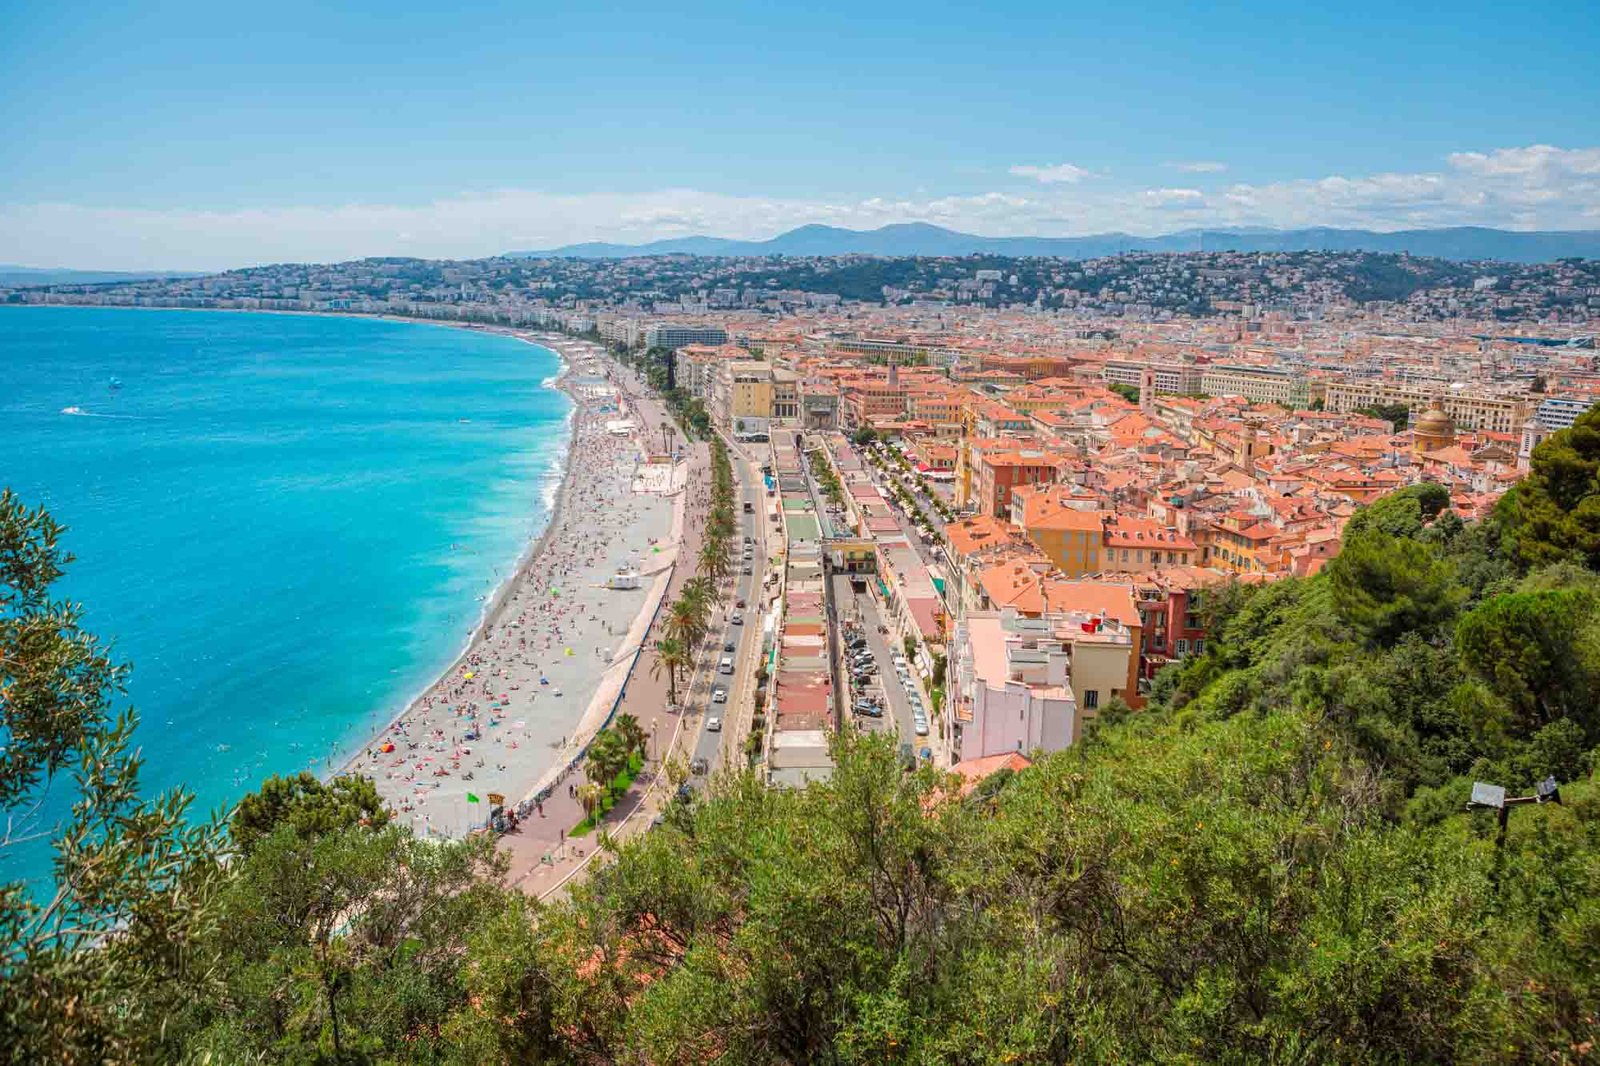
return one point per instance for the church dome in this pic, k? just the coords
(1435, 423)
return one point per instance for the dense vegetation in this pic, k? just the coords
(1273, 863)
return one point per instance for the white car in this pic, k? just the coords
(713, 725)
(719, 695)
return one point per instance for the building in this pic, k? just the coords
(1021, 684)
(1179, 379)
(673, 335)
(742, 399)
(998, 471)
(1258, 384)
(1553, 414)
(1476, 409)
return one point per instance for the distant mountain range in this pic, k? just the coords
(20, 276)
(920, 238)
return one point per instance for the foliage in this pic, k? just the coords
(1554, 513)
(311, 807)
(86, 963)
(1127, 392)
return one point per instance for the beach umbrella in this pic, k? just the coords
(469, 674)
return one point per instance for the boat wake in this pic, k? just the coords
(79, 412)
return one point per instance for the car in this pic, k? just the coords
(746, 571)
(921, 728)
(714, 725)
(729, 645)
(749, 539)
(737, 619)
(719, 695)
(739, 604)
(697, 766)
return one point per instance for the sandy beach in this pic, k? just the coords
(554, 648)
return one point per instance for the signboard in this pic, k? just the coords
(1488, 795)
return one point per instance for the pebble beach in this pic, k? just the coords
(556, 643)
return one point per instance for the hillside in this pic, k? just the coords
(922, 239)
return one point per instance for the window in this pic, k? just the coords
(1199, 647)
(1183, 648)
(1091, 699)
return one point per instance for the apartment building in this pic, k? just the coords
(1258, 384)
(1080, 539)
(673, 335)
(1553, 414)
(1468, 408)
(742, 399)
(1173, 379)
(1020, 684)
(999, 470)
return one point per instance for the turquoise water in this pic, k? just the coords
(287, 524)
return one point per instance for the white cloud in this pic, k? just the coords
(1199, 167)
(1534, 187)
(1051, 175)
(1536, 160)
(1174, 196)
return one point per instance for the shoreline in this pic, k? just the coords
(541, 761)
(421, 753)
(494, 605)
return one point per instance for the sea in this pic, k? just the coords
(287, 525)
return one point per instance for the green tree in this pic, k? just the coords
(631, 733)
(672, 657)
(606, 758)
(311, 807)
(92, 960)
(1385, 587)
(1554, 513)
(1538, 650)
(346, 943)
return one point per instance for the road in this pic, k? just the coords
(717, 748)
(887, 483)
(899, 716)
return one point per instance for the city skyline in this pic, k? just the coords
(181, 138)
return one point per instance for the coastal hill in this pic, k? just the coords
(921, 238)
(20, 276)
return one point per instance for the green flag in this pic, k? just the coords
(471, 798)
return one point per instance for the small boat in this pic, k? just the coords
(114, 384)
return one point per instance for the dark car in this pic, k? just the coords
(729, 646)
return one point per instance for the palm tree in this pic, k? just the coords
(607, 757)
(671, 656)
(683, 622)
(713, 559)
(589, 795)
(631, 733)
(698, 594)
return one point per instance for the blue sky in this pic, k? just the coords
(197, 135)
